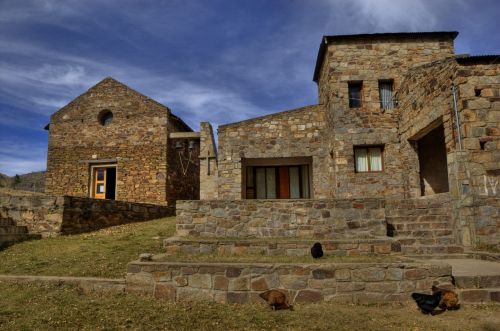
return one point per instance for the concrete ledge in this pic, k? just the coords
(87, 284)
(272, 246)
(242, 282)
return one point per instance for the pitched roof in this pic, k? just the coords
(479, 59)
(373, 36)
(116, 82)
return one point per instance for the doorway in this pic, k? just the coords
(103, 182)
(433, 163)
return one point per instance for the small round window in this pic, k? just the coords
(105, 118)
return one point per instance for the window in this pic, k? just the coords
(277, 182)
(355, 94)
(385, 88)
(368, 159)
(105, 118)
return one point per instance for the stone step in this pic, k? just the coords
(418, 219)
(7, 222)
(422, 233)
(13, 229)
(286, 247)
(431, 249)
(412, 241)
(438, 256)
(422, 226)
(10, 239)
(477, 282)
(483, 295)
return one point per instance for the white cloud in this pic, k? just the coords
(21, 158)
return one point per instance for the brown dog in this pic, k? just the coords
(276, 299)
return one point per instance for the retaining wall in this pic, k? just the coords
(53, 215)
(319, 218)
(242, 283)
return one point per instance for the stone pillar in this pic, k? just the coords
(208, 163)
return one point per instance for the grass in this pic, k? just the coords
(50, 307)
(104, 253)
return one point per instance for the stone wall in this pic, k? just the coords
(242, 283)
(135, 141)
(282, 218)
(370, 60)
(50, 215)
(208, 163)
(294, 133)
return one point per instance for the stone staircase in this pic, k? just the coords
(474, 280)
(11, 233)
(422, 226)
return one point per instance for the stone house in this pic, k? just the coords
(401, 118)
(112, 142)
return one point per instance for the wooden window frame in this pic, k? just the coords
(367, 148)
(253, 185)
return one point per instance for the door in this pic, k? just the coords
(104, 182)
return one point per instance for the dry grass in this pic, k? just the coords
(37, 307)
(104, 253)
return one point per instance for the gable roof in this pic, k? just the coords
(373, 36)
(118, 83)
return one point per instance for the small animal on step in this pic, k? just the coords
(427, 302)
(449, 299)
(276, 299)
(317, 250)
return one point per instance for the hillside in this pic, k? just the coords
(33, 181)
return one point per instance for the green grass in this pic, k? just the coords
(104, 253)
(50, 307)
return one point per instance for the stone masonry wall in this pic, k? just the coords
(370, 60)
(242, 283)
(282, 218)
(295, 133)
(50, 215)
(41, 213)
(136, 140)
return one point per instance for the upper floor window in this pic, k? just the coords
(105, 118)
(385, 88)
(368, 159)
(355, 94)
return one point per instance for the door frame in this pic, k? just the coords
(91, 186)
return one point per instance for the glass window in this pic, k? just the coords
(386, 95)
(271, 183)
(100, 174)
(304, 172)
(100, 188)
(294, 183)
(368, 159)
(355, 94)
(260, 182)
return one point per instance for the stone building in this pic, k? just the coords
(112, 142)
(400, 118)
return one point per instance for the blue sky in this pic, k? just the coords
(220, 61)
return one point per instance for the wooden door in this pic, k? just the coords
(100, 183)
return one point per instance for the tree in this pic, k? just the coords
(17, 179)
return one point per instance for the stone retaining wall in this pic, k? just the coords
(51, 215)
(321, 218)
(241, 283)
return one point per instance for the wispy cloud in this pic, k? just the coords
(20, 158)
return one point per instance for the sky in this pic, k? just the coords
(208, 60)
